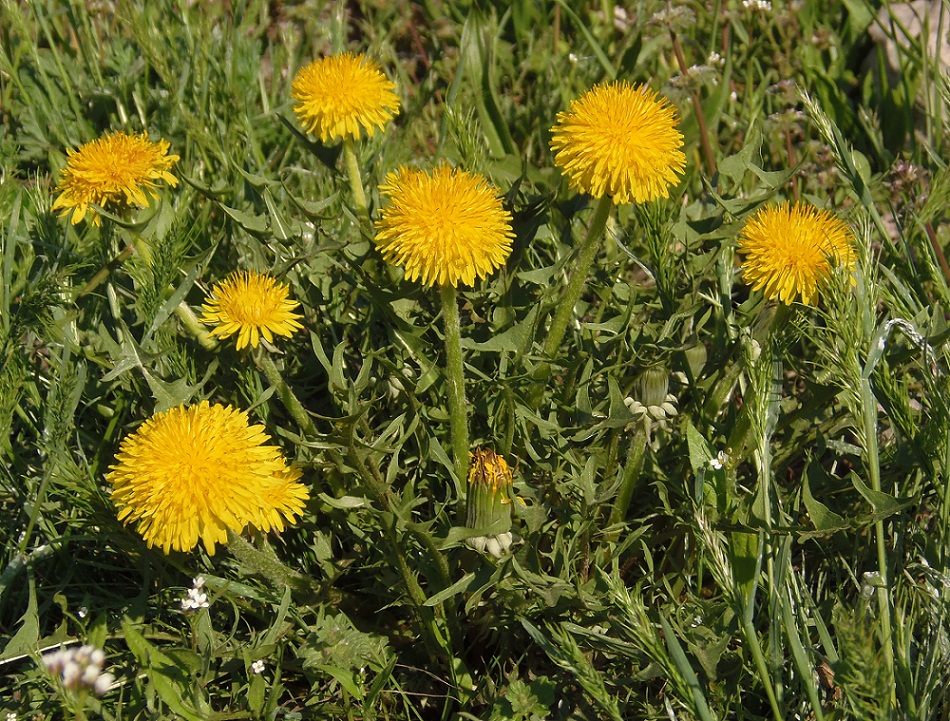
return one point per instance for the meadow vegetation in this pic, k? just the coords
(623, 469)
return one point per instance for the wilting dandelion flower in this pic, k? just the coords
(113, 172)
(490, 496)
(342, 95)
(80, 668)
(619, 140)
(445, 227)
(252, 305)
(192, 473)
(789, 249)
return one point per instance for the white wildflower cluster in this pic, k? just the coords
(715, 60)
(80, 668)
(196, 598)
(757, 6)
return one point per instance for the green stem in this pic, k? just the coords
(585, 258)
(188, 319)
(105, 270)
(869, 403)
(287, 397)
(752, 640)
(265, 564)
(631, 471)
(356, 179)
(455, 376)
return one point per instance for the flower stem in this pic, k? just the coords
(287, 397)
(585, 258)
(631, 470)
(455, 375)
(356, 179)
(105, 270)
(188, 319)
(266, 564)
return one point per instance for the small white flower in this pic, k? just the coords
(11, 716)
(721, 459)
(257, 667)
(734, 96)
(82, 612)
(715, 59)
(198, 582)
(103, 684)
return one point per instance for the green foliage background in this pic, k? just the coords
(804, 576)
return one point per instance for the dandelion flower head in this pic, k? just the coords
(445, 227)
(113, 172)
(342, 95)
(619, 140)
(193, 472)
(788, 249)
(252, 305)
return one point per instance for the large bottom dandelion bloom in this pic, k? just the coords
(444, 228)
(192, 473)
(790, 249)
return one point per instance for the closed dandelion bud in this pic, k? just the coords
(654, 385)
(489, 502)
(653, 397)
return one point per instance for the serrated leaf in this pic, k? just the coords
(513, 340)
(253, 224)
(700, 451)
(823, 518)
(884, 504)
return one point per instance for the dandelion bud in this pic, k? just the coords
(489, 502)
(653, 397)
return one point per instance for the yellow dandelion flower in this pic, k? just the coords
(619, 140)
(113, 172)
(445, 227)
(252, 305)
(193, 472)
(789, 249)
(342, 95)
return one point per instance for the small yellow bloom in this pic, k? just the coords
(192, 473)
(619, 140)
(113, 172)
(342, 95)
(252, 305)
(789, 249)
(445, 228)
